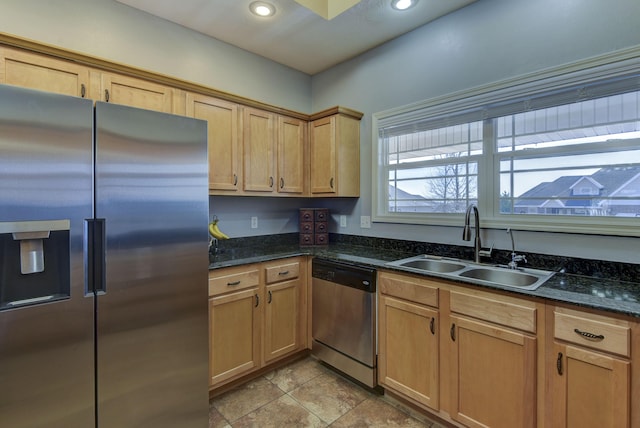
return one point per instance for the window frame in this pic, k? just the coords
(475, 100)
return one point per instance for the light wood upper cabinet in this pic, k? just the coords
(335, 154)
(292, 138)
(225, 166)
(259, 146)
(590, 371)
(134, 92)
(35, 71)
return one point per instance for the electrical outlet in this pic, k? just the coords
(254, 222)
(343, 221)
(365, 222)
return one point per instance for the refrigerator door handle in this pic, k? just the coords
(95, 255)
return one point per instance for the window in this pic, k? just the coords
(554, 159)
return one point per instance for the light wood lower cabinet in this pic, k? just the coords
(283, 309)
(408, 360)
(235, 318)
(493, 375)
(502, 361)
(591, 377)
(257, 315)
(235, 334)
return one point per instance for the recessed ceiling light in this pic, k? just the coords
(403, 4)
(262, 9)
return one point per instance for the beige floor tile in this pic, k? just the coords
(240, 401)
(281, 413)
(329, 396)
(375, 412)
(216, 420)
(292, 376)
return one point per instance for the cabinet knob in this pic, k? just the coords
(270, 181)
(270, 297)
(83, 90)
(235, 179)
(432, 325)
(453, 332)
(106, 95)
(281, 183)
(331, 182)
(257, 300)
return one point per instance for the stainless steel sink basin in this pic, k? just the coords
(522, 278)
(426, 263)
(434, 265)
(503, 277)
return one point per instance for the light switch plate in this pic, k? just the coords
(365, 222)
(254, 222)
(343, 221)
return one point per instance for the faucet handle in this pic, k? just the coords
(486, 252)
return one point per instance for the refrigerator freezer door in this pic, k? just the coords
(46, 317)
(151, 189)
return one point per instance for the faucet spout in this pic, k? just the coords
(466, 232)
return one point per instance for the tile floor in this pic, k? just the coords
(308, 394)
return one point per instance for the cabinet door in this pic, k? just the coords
(323, 155)
(291, 155)
(258, 136)
(408, 360)
(234, 328)
(223, 142)
(135, 93)
(493, 375)
(589, 389)
(40, 72)
(282, 323)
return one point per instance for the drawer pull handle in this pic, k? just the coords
(432, 325)
(559, 363)
(284, 272)
(233, 284)
(590, 336)
(270, 297)
(453, 332)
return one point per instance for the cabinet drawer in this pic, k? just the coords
(282, 272)
(408, 288)
(507, 311)
(224, 281)
(592, 331)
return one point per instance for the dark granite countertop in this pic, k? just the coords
(616, 296)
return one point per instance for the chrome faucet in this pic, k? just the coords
(515, 258)
(466, 232)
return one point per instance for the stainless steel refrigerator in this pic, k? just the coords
(103, 265)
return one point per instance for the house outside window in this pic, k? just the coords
(559, 159)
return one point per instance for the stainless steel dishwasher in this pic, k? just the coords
(344, 318)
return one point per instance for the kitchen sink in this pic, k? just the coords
(521, 278)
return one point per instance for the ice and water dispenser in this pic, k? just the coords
(34, 262)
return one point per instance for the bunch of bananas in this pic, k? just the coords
(215, 231)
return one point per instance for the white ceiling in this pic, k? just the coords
(296, 36)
